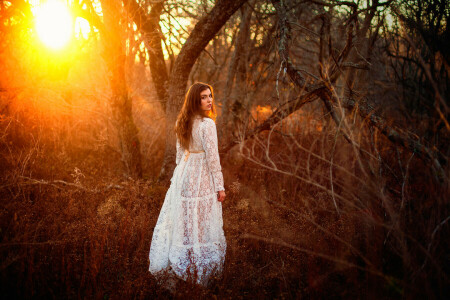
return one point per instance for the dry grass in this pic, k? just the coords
(73, 227)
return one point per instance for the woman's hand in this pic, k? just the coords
(221, 196)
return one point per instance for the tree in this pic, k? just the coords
(332, 67)
(121, 103)
(205, 29)
(149, 26)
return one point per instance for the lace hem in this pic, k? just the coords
(198, 263)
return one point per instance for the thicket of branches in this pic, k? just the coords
(333, 113)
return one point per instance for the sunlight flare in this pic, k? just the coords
(82, 28)
(54, 23)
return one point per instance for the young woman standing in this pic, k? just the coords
(188, 239)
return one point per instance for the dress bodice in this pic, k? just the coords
(204, 138)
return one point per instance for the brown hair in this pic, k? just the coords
(190, 109)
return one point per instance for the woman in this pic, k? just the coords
(188, 239)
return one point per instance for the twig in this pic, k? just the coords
(405, 181)
(431, 240)
(310, 252)
(54, 184)
(331, 168)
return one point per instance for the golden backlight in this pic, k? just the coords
(54, 23)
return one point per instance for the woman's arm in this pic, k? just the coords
(211, 147)
(180, 151)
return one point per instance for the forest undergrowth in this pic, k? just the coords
(72, 226)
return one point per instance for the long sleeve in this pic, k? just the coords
(208, 136)
(180, 152)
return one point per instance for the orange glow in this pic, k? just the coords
(264, 109)
(262, 112)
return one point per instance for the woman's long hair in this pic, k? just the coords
(191, 108)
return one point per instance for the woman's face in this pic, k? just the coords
(206, 100)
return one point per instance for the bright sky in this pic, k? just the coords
(56, 26)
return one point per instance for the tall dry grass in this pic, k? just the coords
(308, 215)
(376, 214)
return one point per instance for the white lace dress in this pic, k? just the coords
(188, 238)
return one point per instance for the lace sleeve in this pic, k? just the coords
(211, 147)
(180, 152)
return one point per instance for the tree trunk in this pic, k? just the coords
(120, 101)
(151, 30)
(238, 70)
(199, 38)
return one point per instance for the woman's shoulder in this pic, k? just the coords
(208, 122)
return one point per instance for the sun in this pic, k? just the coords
(54, 23)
